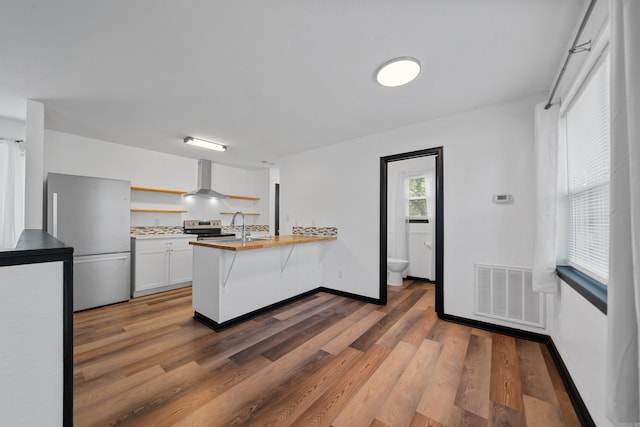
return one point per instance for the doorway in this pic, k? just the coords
(438, 228)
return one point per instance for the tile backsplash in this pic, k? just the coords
(253, 228)
(316, 231)
(158, 229)
(164, 229)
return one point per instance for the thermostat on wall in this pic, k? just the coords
(502, 198)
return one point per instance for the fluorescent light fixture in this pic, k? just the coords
(398, 71)
(204, 144)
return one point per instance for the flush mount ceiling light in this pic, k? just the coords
(398, 71)
(204, 144)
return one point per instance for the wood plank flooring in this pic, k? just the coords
(324, 360)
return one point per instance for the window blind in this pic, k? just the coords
(588, 144)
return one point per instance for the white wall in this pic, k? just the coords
(486, 151)
(579, 331)
(12, 129)
(77, 155)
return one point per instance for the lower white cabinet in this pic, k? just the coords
(181, 262)
(160, 264)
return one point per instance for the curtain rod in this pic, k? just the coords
(574, 49)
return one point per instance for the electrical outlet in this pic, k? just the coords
(339, 274)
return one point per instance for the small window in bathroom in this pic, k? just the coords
(417, 193)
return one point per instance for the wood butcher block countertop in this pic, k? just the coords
(263, 244)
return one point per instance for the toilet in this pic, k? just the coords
(395, 267)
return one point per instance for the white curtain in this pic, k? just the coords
(430, 187)
(546, 170)
(430, 183)
(398, 226)
(12, 169)
(623, 309)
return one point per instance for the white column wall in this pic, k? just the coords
(31, 371)
(34, 156)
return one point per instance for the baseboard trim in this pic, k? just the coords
(574, 395)
(420, 279)
(504, 330)
(243, 318)
(236, 320)
(369, 300)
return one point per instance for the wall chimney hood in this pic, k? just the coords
(204, 182)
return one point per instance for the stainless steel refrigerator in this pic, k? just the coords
(93, 216)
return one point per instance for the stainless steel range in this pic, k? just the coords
(206, 229)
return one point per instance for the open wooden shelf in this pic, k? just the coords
(231, 196)
(165, 190)
(246, 213)
(158, 190)
(159, 210)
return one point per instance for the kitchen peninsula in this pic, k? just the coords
(234, 281)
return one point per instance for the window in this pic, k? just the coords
(420, 202)
(588, 160)
(417, 197)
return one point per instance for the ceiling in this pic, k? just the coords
(268, 78)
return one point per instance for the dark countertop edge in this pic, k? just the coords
(35, 246)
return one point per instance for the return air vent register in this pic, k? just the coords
(506, 293)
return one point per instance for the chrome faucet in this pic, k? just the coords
(233, 224)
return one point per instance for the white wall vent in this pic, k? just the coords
(506, 293)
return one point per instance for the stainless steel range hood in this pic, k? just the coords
(204, 182)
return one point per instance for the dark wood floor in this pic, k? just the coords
(324, 360)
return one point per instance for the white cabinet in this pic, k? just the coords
(421, 253)
(180, 262)
(151, 268)
(160, 264)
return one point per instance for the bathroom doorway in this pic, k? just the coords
(427, 213)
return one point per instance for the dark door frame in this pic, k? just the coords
(439, 225)
(276, 215)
